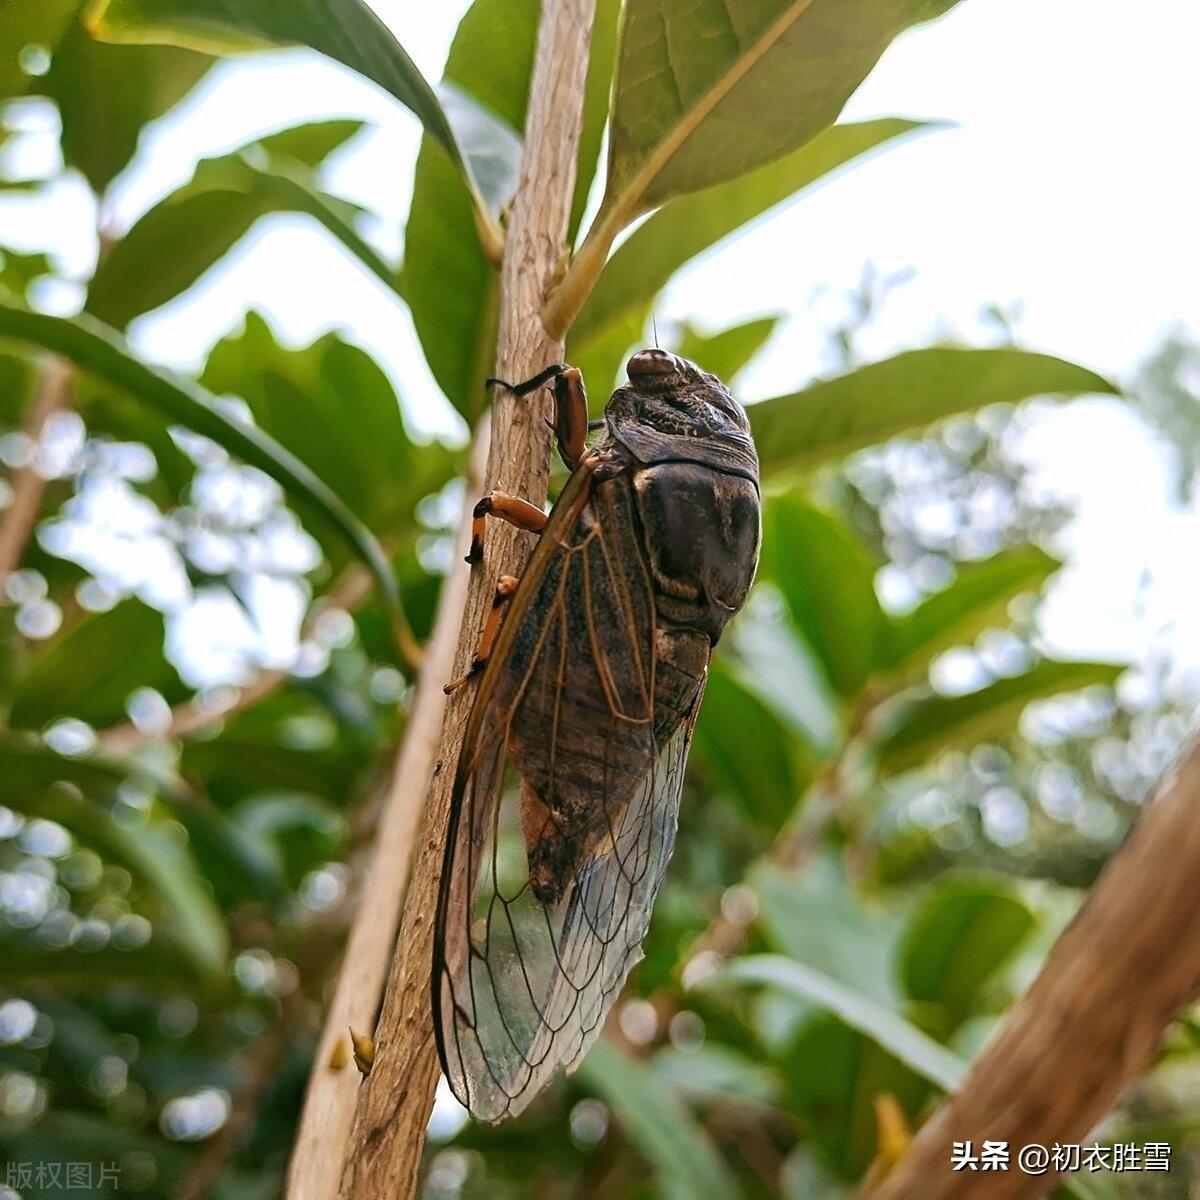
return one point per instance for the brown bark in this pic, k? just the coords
(389, 1126)
(1093, 1018)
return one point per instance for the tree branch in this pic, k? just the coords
(1092, 1019)
(389, 1126)
(27, 483)
(323, 1133)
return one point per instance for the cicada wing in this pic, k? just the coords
(564, 811)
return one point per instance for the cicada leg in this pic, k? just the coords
(570, 422)
(505, 587)
(508, 508)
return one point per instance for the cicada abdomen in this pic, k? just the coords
(567, 789)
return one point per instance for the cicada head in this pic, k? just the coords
(671, 409)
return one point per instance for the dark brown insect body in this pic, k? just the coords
(589, 692)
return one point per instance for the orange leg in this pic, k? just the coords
(516, 512)
(505, 586)
(570, 422)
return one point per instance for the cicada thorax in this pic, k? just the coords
(603, 700)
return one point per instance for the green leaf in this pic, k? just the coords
(452, 288)
(24, 26)
(107, 94)
(332, 406)
(643, 264)
(657, 1122)
(960, 935)
(31, 782)
(162, 965)
(749, 751)
(602, 56)
(830, 419)
(922, 727)
(90, 671)
(828, 583)
(726, 353)
(170, 246)
(978, 596)
(708, 91)
(917, 1050)
(100, 350)
(834, 1074)
(311, 143)
(347, 31)
(817, 918)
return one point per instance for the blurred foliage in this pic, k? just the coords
(894, 795)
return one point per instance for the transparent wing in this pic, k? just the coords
(565, 808)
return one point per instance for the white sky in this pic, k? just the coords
(1067, 185)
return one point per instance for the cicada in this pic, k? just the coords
(591, 670)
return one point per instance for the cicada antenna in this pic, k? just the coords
(654, 327)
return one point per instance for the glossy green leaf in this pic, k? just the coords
(643, 264)
(707, 91)
(91, 670)
(746, 748)
(98, 349)
(832, 418)
(452, 289)
(106, 95)
(348, 31)
(929, 724)
(657, 1122)
(32, 780)
(828, 583)
(344, 30)
(960, 935)
(978, 596)
(170, 246)
(917, 1050)
(728, 351)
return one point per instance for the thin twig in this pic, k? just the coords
(389, 1126)
(27, 483)
(195, 715)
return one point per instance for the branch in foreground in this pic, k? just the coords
(389, 1127)
(1092, 1019)
(323, 1133)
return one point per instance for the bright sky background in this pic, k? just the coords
(1066, 185)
